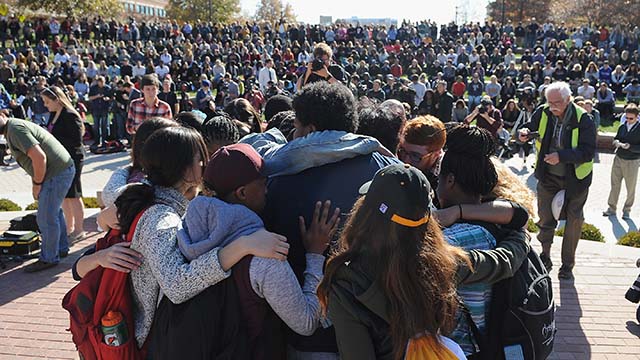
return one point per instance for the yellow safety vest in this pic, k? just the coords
(583, 170)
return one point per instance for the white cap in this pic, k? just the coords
(557, 203)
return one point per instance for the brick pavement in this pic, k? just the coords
(593, 318)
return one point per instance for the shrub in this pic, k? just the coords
(90, 202)
(532, 227)
(32, 206)
(8, 205)
(632, 238)
(589, 232)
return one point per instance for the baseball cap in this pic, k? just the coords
(400, 192)
(231, 167)
(206, 83)
(557, 203)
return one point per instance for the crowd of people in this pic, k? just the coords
(87, 57)
(363, 156)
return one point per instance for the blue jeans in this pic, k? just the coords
(474, 101)
(50, 219)
(100, 127)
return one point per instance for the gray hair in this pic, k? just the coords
(560, 86)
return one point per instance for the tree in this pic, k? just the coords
(519, 10)
(108, 8)
(272, 11)
(209, 10)
(596, 12)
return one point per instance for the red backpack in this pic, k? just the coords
(100, 291)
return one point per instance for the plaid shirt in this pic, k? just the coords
(476, 297)
(139, 112)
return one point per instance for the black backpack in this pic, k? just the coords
(208, 326)
(25, 223)
(521, 322)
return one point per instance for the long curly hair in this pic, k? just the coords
(415, 268)
(510, 187)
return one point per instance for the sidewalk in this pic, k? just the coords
(594, 320)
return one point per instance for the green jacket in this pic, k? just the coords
(358, 308)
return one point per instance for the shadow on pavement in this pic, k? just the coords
(618, 227)
(633, 328)
(15, 283)
(568, 316)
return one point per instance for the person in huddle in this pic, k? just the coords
(268, 289)
(392, 278)
(173, 161)
(466, 175)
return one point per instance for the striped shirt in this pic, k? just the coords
(139, 111)
(476, 297)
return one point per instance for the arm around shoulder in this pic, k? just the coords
(179, 280)
(491, 266)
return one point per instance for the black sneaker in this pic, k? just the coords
(546, 261)
(565, 274)
(39, 266)
(63, 254)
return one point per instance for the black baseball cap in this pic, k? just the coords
(401, 193)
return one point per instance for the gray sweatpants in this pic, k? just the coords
(626, 170)
(573, 208)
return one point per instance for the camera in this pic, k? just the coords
(533, 135)
(317, 65)
(482, 109)
(633, 294)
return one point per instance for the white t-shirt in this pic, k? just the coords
(453, 347)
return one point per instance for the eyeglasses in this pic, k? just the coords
(414, 157)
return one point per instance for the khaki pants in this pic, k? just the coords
(627, 170)
(573, 208)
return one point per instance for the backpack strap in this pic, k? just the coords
(480, 342)
(134, 224)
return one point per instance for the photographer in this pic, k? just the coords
(527, 97)
(486, 116)
(39, 113)
(100, 100)
(321, 68)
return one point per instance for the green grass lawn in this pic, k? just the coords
(611, 128)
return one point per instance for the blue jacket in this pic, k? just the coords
(211, 222)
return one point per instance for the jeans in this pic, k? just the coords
(50, 218)
(474, 101)
(119, 122)
(100, 127)
(40, 119)
(573, 208)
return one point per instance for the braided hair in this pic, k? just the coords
(468, 159)
(220, 130)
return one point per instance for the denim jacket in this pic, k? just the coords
(316, 149)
